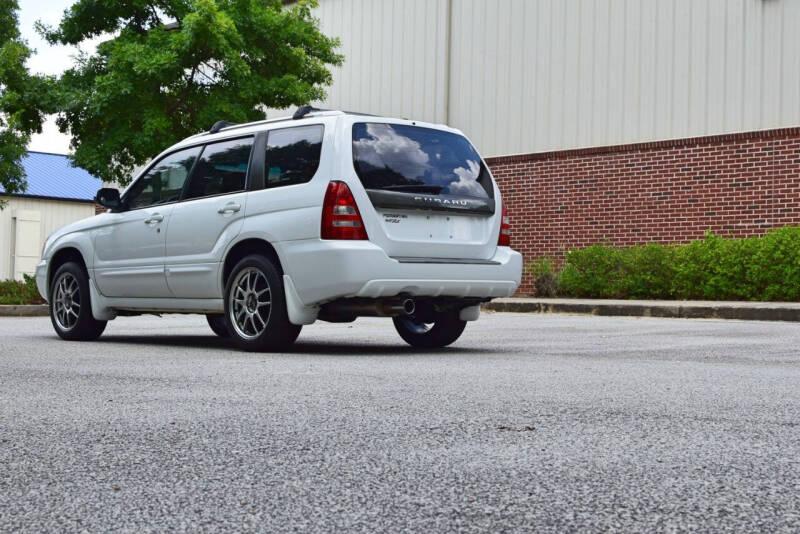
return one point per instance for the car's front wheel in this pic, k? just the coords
(255, 307)
(70, 306)
(444, 330)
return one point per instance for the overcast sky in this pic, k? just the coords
(47, 60)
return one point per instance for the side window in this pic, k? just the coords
(221, 169)
(292, 155)
(164, 181)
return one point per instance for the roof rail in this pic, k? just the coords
(360, 113)
(219, 125)
(302, 111)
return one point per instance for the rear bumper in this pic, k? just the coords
(326, 270)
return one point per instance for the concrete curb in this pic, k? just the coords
(746, 311)
(24, 310)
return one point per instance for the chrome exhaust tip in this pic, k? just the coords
(409, 306)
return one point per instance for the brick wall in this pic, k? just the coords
(667, 191)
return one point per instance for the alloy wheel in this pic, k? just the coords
(66, 301)
(251, 303)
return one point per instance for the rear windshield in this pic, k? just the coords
(412, 159)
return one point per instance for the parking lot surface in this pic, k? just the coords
(528, 423)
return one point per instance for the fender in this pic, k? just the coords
(82, 242)
(78, 235)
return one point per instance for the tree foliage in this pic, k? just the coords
(172, 68)
(24, 99)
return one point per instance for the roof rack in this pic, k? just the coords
(302, 111)
(225, 125)
(219, 125)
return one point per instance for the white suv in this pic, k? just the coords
(268, 226)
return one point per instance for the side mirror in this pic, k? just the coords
(108, 197)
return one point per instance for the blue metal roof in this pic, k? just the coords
(51, 175)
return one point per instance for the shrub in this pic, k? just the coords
(754, 268)
(20, 292)
(774, 271)
(646, 272)
(765, 268)
(591, 272)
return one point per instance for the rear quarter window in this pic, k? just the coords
(293, 155)
(413, 159)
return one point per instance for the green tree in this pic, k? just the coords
(172, 68)
(24, 99)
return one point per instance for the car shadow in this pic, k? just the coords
(299, 348)
(197, 342)
(348, 349)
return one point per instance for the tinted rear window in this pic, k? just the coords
(401, 158)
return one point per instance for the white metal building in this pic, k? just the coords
(522, 76)
(57, 194)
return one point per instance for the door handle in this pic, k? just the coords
(229, 208)
(154, 218)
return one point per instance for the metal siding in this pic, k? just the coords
(790, 61)
(538, 75)
(626, 71)
(54, 214)
(395, 54)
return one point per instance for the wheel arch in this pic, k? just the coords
(244, 248)
(62, 256)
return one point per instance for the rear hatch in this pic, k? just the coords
(433, 195)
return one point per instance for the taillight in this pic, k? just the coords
(505, 230)
(340, 216)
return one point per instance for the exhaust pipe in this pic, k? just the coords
(407, 307)
(391, 307)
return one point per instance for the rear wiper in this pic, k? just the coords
(416, 188)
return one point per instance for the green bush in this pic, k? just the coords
(591, 272)
(755, 268)
(765, 268)
(775, 270)
(647, 272)
(20, 292)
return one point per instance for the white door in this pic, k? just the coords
(129, 252)
(209, 216)
(27, 242)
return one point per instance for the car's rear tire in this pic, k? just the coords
(442, 332)
(70, 305)
(218, 324)
(255, 307)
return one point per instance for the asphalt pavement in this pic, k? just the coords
(527, 423)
